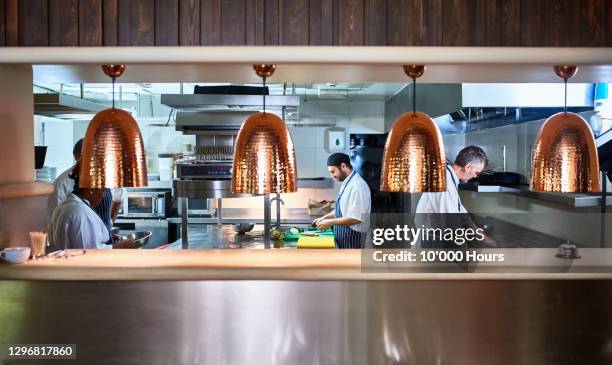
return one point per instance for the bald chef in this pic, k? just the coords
(352, 203)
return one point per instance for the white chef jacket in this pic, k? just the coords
(62, 186)
(355, 200)
(74, 223)
(444, 202)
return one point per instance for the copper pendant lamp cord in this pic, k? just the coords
(113, 78)
(414, 95)
(565, 102)
(263, 92)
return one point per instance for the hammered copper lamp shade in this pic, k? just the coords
(565, 156)
(414, 158)
(113, 153)
(264, 157)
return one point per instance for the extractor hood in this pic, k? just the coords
(58, 104)
(226, 107)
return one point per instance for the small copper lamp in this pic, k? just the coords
(565, 155)
(414, 158)
(113, 152)
(264, 154)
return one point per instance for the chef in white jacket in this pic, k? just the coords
(469, 164)
(75, 224)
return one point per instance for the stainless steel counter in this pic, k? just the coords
(574, 200)
(214, 236)
(238, 215)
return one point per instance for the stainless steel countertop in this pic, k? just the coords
(574, 200)
(240, 215)
(215, 236)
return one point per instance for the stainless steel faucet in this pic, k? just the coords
(279, 201)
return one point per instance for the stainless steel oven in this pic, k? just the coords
(145, 204)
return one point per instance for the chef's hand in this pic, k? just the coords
(324, 224)
(127, 244)
(317, 220)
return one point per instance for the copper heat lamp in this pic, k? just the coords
(264, 155)
(414, 158)
(565, 155)
(113, 152)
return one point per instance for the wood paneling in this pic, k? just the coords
(33, 23)
(110, 23)
(64, 23)
(90, 23)
(271, 22)
(136, 22)
(458, 19)
(294, 23)
(11, 29)
(233, 27)
(400, 22)
(211, 22)
(508, 23)
(166, 22)
(2, 21)
(189, 28)
(351, 18)
(533, 23)
(375, 23)
(321, 22)
(255, 22)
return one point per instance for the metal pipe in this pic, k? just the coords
(267, 220)
(184, 222)
(219, 211)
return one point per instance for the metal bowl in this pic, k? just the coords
(243, 227)
(141, 237)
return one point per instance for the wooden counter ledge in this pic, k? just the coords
(241, 264)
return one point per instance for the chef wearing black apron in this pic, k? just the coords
(352, 203)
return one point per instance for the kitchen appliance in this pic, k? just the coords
(366, 157)
(145, 204)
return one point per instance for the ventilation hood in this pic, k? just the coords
(225, 107)
(57, 104)
(461, 108)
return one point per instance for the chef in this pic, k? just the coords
(468, 164)
(75, 224)
(107, 209)
(352, 203)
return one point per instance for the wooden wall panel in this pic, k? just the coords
(321, 27)
(531, 23)
(167, 22)
(375, 23)
(2, 22)
(64, 23)
(351, 23)
(110, 23)
(189, 26)
(271, 22)
(458, 18)
(11, 28)
(136, 22)
(254, 22)
(508, 20)
(233, 27)
(400, 22)
(533, 15)
(33, 23)
(90, 23)
(210, 19)
(294, 22)
(486, 22)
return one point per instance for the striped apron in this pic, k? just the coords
(103, 209)
(344, 236)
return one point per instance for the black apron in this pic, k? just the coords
(345, 236)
